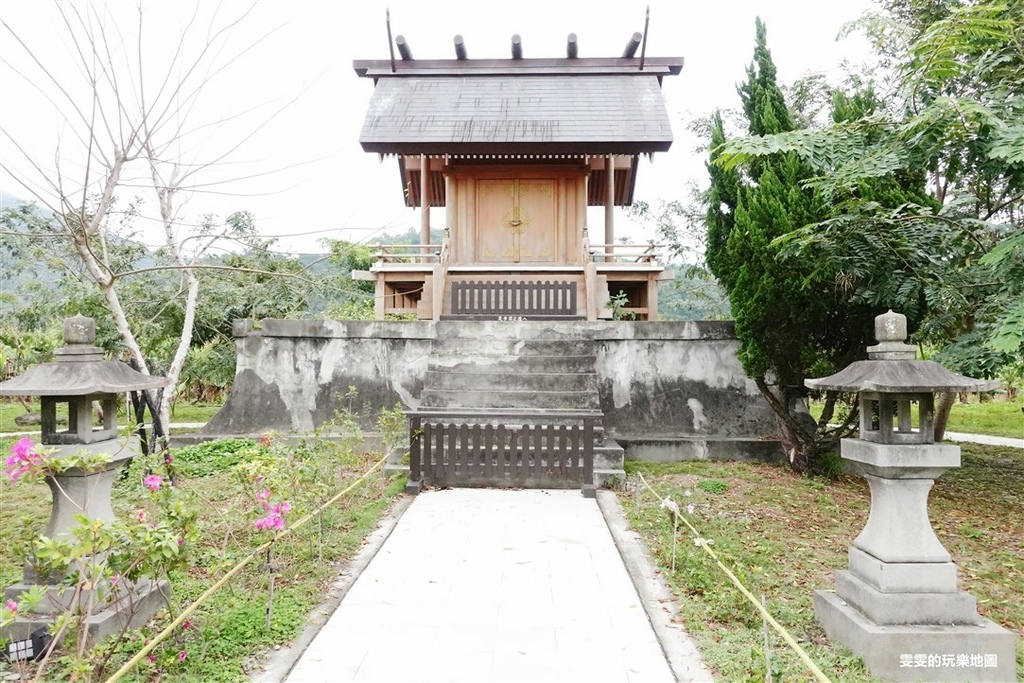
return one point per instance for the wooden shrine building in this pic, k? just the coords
(516, 150)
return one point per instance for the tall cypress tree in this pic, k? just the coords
(763, 101)
(722, 198)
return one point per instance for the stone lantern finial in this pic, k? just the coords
(891, 332)
(79, 329)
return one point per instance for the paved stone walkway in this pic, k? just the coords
(491, 585)
(987, 440)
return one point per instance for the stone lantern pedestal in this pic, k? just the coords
(898, 605)
(78, 377)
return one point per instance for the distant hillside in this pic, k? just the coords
(10, 199)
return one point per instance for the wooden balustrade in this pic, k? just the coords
(409, 253)
(627, 253)
(504, 299)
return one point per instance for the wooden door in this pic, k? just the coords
(516, 221)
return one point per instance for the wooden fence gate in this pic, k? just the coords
(506, 449)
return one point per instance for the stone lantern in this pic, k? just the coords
(76, 378)
(898, 605)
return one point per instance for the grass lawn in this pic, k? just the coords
(995, 417)
(784, 535)
(226, 635)
(180, 412)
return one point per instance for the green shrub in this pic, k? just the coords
(713, 485)
(214, 457)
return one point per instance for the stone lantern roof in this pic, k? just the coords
(891, 368)
(79, 369)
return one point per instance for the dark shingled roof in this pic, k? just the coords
(597, 112)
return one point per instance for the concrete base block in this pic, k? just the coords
(682, 447)
(981, 652)
(903, 577)
(906, 608)
(130, 611)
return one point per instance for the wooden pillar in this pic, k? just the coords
(590, 286)
(437, 291)
(425, 204)
(378, 301)
(652, 297)
(609, 203)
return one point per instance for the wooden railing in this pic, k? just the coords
(502, 448)
(409, 253)
(627, 253)
(511, 299)
(441, 276)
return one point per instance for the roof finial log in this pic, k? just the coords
(517, 46)
(403, 48)
(460, 47)
(632, 46)
(571, 46)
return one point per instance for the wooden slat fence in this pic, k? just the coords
(528, 450)
(530, 299)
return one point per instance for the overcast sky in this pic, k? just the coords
(324, 184)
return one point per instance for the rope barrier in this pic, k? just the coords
(702, 542)
(185, 613)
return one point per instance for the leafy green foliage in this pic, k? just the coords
(714, 486)
(692, 295)
(356, 300)
(792, 319)
(215, 457)
(955, 259)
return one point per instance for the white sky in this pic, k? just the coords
(330, 187)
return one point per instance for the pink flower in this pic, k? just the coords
(182, 655)
(151, 658)
(169, 459)
(22, 447)
(271, 521)
(153, 482)
(141, 516)
(275, 511)
(186, 624)
(11, 606)
(115, 579)
(23, 458)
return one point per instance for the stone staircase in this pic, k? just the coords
(518, 367)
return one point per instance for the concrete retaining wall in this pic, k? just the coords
(669, 390)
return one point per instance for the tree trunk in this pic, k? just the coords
(181, 353)
(796, 432)
(946, 402)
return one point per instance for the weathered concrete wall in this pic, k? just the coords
(293, 375)
(665, 379)
(669, 390)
